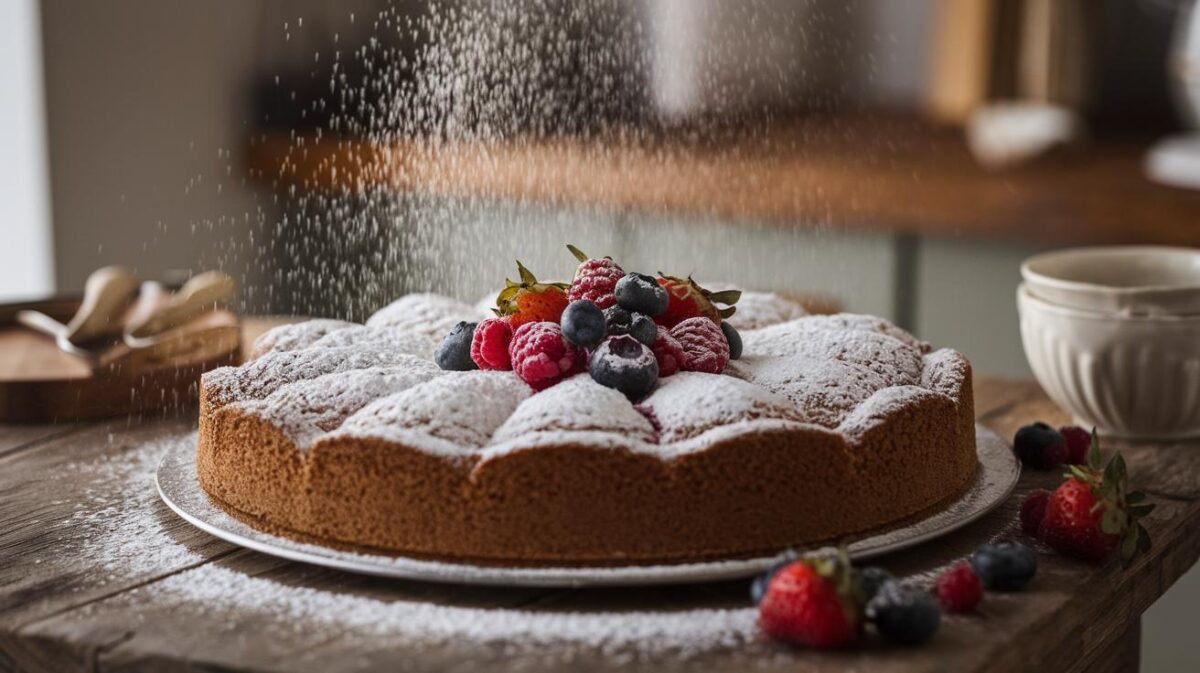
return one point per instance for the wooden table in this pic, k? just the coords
(97, 575)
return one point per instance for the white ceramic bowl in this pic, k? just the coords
(1127, 376)
(1126, 280)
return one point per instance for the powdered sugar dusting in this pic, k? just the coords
(429, 314)
(756, 310)
(545, 635)
(117, 524)
(688, 404)
(462, 409)
(306, 409)
(577, 404)
(824, 371)
(259, 378)
(390, 338)
(296, 335)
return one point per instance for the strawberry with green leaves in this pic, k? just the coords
(1092, 513)
(815, 602)
(686, 300)
(530, 300)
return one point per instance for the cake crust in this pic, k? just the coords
(522, 486)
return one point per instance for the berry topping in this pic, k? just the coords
(903, 615)
(1040, 446)
(454, 353)
(489, 344)
(531, 301)
(595, 279)
(734, 339)
(620, 321)
(959, 589)
(626, 364)
(1092, 513)
(541, 356)
(639, 293)
(1079, 441)
(1033, 510)
(686, 300)
(668, 352)
(583, 323)
(870, 579)
(704, 345)
(1004, 565)
(812, 602)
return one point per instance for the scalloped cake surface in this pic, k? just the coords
(346, 434)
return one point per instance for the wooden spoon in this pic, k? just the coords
(203, 292)
(106, 295)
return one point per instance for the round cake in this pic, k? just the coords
(349, 435)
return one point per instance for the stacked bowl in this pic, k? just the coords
(1113, 335)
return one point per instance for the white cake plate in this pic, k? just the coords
(180, 490)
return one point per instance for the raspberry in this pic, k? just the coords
(489, 345)
(704, 345)
(958, 589)
(596, 281)
(1033, 510)
(668, 352)
(541, 356)
(1079, 442)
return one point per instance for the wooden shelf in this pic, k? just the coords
(881, 173)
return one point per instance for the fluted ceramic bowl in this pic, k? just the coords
(1128, 376)
(1133, 280)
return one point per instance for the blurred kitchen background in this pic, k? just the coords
(895, 157)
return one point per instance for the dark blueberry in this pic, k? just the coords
(1040, 446)
(1004, 565)
(617, 320)
(758, 588)
(626, 364)
(583, 323)
(454, 353)
(904, 615)
(639, 293)
(870, 579)
(734, 339)
(643, 329)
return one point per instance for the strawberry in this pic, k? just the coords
(686, 300)
(530, 300)
(595, 279)
(1091, 513)
(813, 602)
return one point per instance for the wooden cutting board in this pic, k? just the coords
(39, 382)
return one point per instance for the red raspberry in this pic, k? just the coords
(959, 589)
(1079, 442)
(541, 356)
(704, 345)
(596, 281)
(489, 345)
(668, 352)
(1033, 510)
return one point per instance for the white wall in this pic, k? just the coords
(26, 269)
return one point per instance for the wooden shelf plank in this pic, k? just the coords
(878, 173)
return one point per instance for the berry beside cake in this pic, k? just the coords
(620, 418)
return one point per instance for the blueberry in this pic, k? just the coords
(643, 329)
(870, 579)
(639, 293)
(1040, 446)
(1004, 565)
(758, 588)
(626, 364)
(904, 615)
(734, 339)
(454, 353)
(583, 323)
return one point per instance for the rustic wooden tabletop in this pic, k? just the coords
(96, 574)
